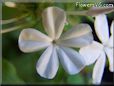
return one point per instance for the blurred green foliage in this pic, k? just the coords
(19, 67)
(10, 74)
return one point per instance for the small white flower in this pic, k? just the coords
(57, 45)
(10, 4)
(98, 51)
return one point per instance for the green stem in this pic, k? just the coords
(17, 27)
(82, 13)
(13, 19)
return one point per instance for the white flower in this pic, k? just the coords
(10, 4)
(98, 51)
(57, 45)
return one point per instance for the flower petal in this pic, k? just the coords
(53, 20)
(76, 31)
(48, 63)
(110, 42)
(101, 28)
(112, 27)
(99, 69)
(109, 52)
(71, 61)
(91, 52)
(78, 41)
(32, 40)
(94, 11)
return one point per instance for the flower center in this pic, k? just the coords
(54, 41)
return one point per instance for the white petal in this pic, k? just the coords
(53, 20)
(32, 40)
(99, 69)
(48, 63)
(91, 52)
(71, 61)
(110, 42)
(94, 11)
(109, 52)
(76, 31)
(78, 41)
(101, 28)
(112, 27)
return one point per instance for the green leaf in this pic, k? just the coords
(9, 75)
(75, 79)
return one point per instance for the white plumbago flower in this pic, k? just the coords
(98, 51)
(57, 46)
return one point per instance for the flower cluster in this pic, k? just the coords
(59, 47)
